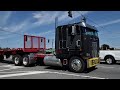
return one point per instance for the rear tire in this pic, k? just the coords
(17, 59)
(26, 60)
(110, 60)
(77, 65)
(1, 58)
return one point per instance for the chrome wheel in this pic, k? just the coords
(76, 64)
(109, 61)
(25, 61)
(16, 60)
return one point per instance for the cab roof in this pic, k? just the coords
(81, 24)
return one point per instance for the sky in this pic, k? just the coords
(14, 24)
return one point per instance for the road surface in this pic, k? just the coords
(102, 71)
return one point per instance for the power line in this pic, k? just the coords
(91, 20)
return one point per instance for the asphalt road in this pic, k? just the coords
(102, 71)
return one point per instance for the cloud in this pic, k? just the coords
(47, 33)
(109, 23)
(40, 18)
(19, 27)
(12, 30)
(47, 17)
(4, 16)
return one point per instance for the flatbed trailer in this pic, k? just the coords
(25, 55)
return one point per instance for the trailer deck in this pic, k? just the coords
(32, 44)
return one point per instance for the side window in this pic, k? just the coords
(78, 29)
(69, 30)
(83, 30)
(60, 33)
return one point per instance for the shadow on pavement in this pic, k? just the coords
(102, 62)
(54, 68)
(90, 70)
(117, 63)
(66, 69)
(8, 62)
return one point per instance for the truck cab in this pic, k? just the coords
(77, 41)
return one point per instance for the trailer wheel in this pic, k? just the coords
(109, 60)
(77, 65)
(17, 59)
(26, 60)
(1, 58)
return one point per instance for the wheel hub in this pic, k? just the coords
(25, 61)
(109, 61)
(76, 64)
(16, 60)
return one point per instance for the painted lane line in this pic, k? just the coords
(11, 68)
(105, 67)
(6, 66)
(38, 72)
(16, 72)
(22, 74)
(84, 76)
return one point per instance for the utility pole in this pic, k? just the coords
(56, 24)
(52, 43)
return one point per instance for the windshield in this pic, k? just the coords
(88, 31)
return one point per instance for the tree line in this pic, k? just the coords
(106, 47)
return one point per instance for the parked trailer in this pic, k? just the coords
(25, 56)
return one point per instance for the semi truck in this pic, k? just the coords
(76, 48)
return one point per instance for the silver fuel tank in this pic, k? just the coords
(52, 61)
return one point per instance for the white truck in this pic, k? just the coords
(110, 56)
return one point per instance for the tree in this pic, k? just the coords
(112, 48)
(105, 47)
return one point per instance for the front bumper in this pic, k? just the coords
(93, 62)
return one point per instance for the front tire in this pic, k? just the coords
(77, 65)
(17, 59)
(110, 60)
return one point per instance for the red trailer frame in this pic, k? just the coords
(25, 49)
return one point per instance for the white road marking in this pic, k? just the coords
(10, 67)
(79, 75)
(16, 72)
(6, 66)
(22, 74)
(105, 67)
(38, 72)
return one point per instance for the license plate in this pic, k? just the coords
(93, 62)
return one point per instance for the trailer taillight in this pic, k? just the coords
(35, 58)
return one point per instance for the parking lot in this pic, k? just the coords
(102, 71)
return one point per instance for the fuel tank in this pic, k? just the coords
(52, 61)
